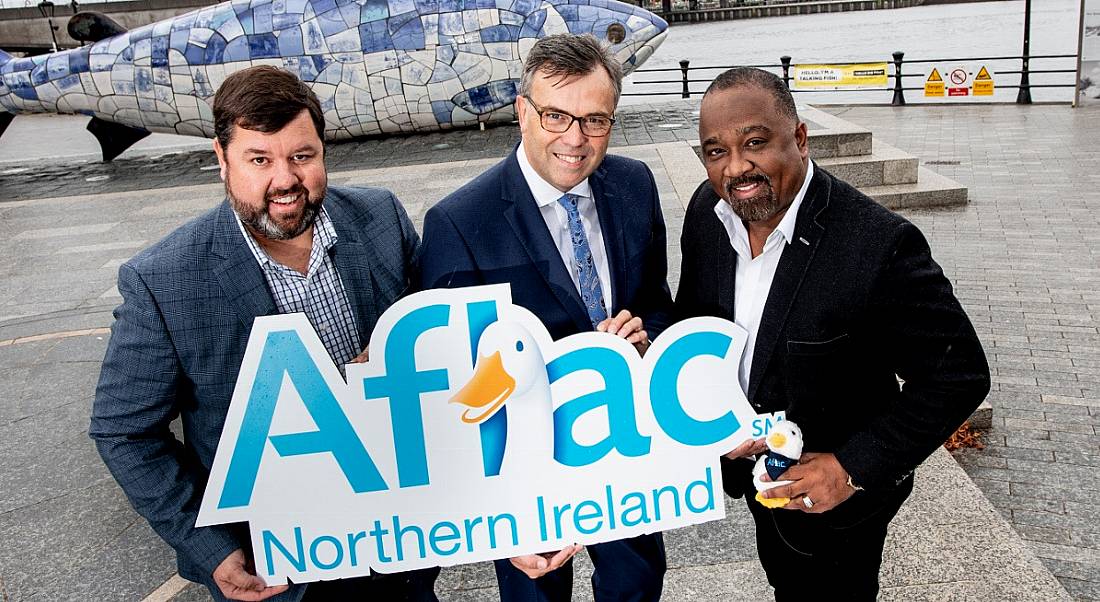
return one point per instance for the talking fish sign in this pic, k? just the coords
(470, 435)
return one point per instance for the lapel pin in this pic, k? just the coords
(804, 241)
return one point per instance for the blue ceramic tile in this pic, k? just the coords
(533, 25)
(183, 22)
(21, 86)
(450, 5)
(203, 89)
(237, 50)
(200, 36)
(240, 6)
(451, 24)
(485, 4)
(396, 22)
(350, 14)
(215, 50)
(38, 75)
(194, 54)
(409, 37)
(141, 33)
(143, 81)
(178, 41)
(567, 12)
(159, 53)
(442, 111)
(127, 55)
(295, 7)
(285, 21)
(331, 22)
(263, 46)
(320, 63)
(402, 6)
(322, 6)
(427, 7)
(312, 37)
(58, 66)
(221, 17)
(102, 62)
(69, 83)
(525, 7)
(500, 33)
(302, 66)
(374, 10)
(290, 42)
(78, 60)
(278, 7)
(445, 54)
(374, 37)
(261, 19)
(121, 86)
(247, 22)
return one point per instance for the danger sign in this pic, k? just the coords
(933, 86)
(983, 83)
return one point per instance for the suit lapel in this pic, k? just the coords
(789, 275)
(608, 208)
(237, 271)
(523, 216)
(353, 258)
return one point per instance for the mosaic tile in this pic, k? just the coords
(378, 66)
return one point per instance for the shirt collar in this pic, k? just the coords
(786, 225)
(324, 236)
(543, 191)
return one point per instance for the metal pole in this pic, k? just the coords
(899, 93)
(1024, 96)
(786, 60)
(47, 9)
(684, 69)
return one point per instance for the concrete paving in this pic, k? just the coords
(1021, 255)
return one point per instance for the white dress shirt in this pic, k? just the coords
(754, 275)
(557, 222)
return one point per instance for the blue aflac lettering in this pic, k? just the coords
(403, 384)
(668, 410)
(617, 395)
(284, 355)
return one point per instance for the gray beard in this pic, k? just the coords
(756, 209)
(260, 222)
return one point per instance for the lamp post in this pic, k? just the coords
(47, 9)
(1024, 96)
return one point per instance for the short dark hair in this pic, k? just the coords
(567, 55)
(263, 99)
(765, 80)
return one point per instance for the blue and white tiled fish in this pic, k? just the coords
(378, 66)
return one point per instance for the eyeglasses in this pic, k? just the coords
(559, 122)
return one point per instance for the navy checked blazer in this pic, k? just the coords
(176, 348)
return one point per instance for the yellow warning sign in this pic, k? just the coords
(934, 85)
(983, 83)
(864, 76)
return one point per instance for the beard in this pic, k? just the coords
(758, 208)
(258, 218)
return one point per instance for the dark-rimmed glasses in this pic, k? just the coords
(559, 122)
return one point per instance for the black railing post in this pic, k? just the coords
(1024, 96)
(786, 60)
(684, 69)
(899, 92)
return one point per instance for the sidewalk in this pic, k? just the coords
(1022, 256)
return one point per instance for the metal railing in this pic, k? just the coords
(688, 75)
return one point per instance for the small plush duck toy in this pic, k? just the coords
(784, 449)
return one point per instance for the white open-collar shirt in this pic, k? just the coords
(557, 222)
(754, 276)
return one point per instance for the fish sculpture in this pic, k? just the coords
(378, 66)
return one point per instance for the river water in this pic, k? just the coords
(952, 31)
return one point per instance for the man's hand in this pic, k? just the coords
(537, 565)
(238, 583)
(819, 477)
(361, 358)
(629, 327)
(747, 449)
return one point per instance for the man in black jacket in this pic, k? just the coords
(853, 331)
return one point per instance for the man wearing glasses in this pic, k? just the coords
(580, 237)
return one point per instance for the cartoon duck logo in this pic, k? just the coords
(510, 370)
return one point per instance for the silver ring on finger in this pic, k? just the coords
(807, 502)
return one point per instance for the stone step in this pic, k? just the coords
(930, 190)
(885, 165)
(831, 136)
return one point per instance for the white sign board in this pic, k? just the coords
(416, 459)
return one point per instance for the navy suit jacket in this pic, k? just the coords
(857, 301)
(490, 231)
(176, 348)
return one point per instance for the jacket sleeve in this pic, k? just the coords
(137, 398)
(410, 246)
(926, 337)
(445, 257)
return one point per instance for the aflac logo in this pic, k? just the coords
(470, 435)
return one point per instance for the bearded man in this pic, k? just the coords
(281, 242)
(842, 301)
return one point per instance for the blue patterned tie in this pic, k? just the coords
(589, 279)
